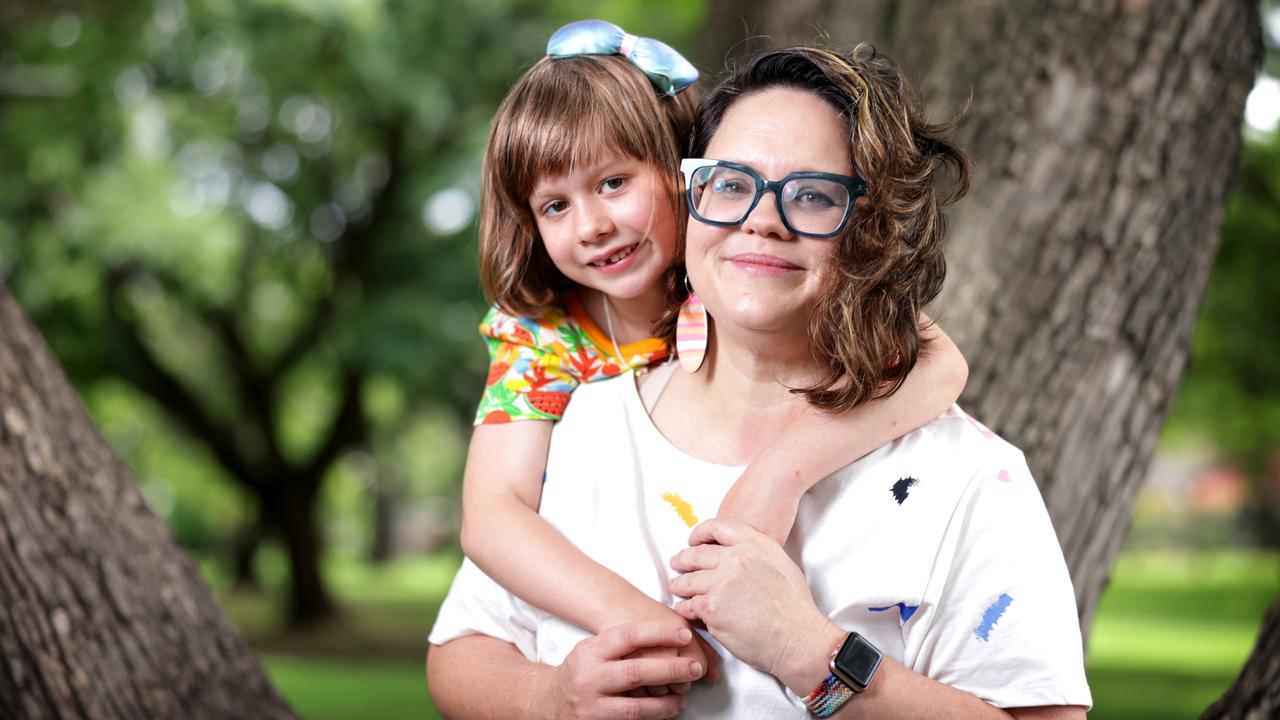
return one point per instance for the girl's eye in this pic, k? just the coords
(554, 208)
(614, 183)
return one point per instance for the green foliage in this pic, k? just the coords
(1231, 392)
(268, 201)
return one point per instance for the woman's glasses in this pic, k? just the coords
(813, 204)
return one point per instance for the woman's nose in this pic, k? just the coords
(593, 222)
(765, 219)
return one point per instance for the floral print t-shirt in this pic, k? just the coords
(535, 363)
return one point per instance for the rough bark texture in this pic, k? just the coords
(101, 614)
(1255, 695)
(1106, 135)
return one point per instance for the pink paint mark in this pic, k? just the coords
(1003, 476)
(981, 428)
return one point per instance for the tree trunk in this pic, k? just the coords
(292, 508)
(242, 552)
(387, 493)
(1255, 695)
(1105, 135)
(101, 614)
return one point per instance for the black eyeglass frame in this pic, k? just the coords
(856, 186)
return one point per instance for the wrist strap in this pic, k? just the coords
(828, 697)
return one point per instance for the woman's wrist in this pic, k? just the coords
(806, 659)
(541, 689)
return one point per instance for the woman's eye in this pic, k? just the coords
(728, 186)
(614, 183)
(814, 198)
(555, 207)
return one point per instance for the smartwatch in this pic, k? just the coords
(853, 665)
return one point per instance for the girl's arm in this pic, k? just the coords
(768, 493)
(503, 534)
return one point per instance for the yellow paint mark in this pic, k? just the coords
(682, 508)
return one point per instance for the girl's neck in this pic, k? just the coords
(633, 318)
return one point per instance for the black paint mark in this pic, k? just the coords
(901, 487)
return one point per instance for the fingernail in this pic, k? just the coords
(695, 667)
(684, 635)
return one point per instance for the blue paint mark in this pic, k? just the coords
(992, 615)
(905, 611)
(901, 488)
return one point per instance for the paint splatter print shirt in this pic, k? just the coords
(936, 547)
(535, 364)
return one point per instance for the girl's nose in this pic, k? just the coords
(593, 223)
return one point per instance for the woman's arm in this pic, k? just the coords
(462, 676)
(756, 602)
(897, 692)
(817, 444)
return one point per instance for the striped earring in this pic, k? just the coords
(691, 332)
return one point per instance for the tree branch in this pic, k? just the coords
(141, 368)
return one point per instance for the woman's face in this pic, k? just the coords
(758, 275)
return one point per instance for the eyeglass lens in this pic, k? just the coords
(810, 205)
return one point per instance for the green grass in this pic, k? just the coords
(1171, 633)
(343, 689)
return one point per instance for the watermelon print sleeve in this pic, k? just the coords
(527, 377)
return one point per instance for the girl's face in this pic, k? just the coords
(759, 275)
(609, 226)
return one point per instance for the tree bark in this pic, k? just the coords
(1105, 135)
(101, 613)
(1255, 695)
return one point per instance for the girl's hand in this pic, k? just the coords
(767, 505)
(594, 678)
(751, 596)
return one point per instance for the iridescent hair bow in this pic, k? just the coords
(665, 68)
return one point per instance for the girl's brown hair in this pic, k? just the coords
(888, 264)
(564, 112)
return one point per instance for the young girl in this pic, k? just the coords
(580, 245)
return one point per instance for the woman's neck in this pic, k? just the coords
(633, 318)
(740, 400)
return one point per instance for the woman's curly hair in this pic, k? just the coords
(865, 332)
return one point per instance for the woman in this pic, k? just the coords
(922, 581)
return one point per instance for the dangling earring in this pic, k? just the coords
(691, 332)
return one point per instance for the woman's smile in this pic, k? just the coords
(763, 265)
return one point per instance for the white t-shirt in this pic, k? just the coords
(936, 547)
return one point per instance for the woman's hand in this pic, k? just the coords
(752, 598)
(652, 611)
(595, 677)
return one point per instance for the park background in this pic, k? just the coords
(247, 231)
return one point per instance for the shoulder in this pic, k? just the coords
(541, 331)
(954, 443)
(936, 467)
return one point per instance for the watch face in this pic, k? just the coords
(856, 662)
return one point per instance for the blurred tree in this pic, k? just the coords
(1106, 137)
(104, 615)
(1256, 692)
(260, 216)
(1232, 389)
